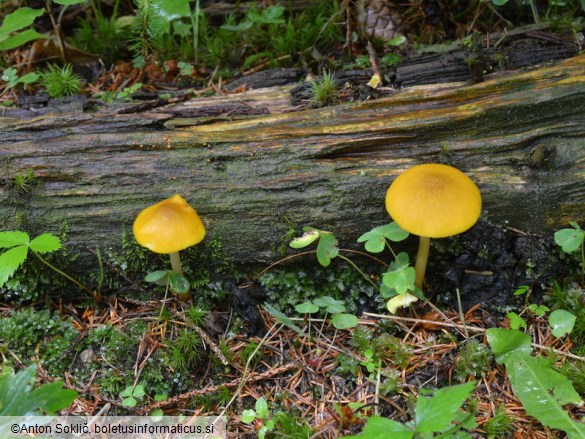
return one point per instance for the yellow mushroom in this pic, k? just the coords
(169, 227)
(432, 201)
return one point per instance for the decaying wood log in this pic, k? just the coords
(520, 136)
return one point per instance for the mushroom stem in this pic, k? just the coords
(421, 261)
(176, 263)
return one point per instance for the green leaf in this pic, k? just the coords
(129, 402)
(45, 243)
(69, 2)
(29, 78)
(401, 280)
(306, 308)
(261, 408)
(19, 19)
(397, 41)
(327, 248)
(335, 308)
(569, 239)
(499, 2)
(308, 238)
(326, 301)
(561, 322)
(282, 318)
(435, 414)
(376, 238)
(173, 9)
(344, 321)
(10, 239)
(10, 260)
(17, 398)
(505, 342)
(157, 277)
(127, 391)
(244, 25)
(138, 391)
(178, 283)
(248, 416)
(543, 392)
(378, 427)
(270, 15)
(13, 41)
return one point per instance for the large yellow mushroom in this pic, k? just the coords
(169, 227)
(432, 201)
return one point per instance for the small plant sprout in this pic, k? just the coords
(433, 201)
(324, 92)
(168, 227)
(260, 415)
(572, 240)
(19, 245)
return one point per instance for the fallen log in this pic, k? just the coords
(520, 136)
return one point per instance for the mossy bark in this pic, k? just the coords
(520, 136)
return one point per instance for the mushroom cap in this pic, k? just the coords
(434, 200)
(169, 226)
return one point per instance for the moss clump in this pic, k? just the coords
(28, 331)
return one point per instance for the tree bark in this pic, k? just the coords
(520, 137)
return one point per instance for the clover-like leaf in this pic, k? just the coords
(306, 308)
(344, 321)
(178, 283)
(327, 248)
(570, 239)
(376, 238)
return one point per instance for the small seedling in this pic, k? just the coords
(260, 415)
(572, 240)
(20, 244)
(10, 76)
(131, 394)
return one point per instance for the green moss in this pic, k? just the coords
(27, 331)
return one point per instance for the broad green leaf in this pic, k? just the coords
(505, 342)
(19, 19)
(282, 318)
(10, 239)
(18, 399)
(306, 308)
(327, 248)
(29, 78)
(335, 308)
(18, 39)
(10, 260)
(499, 2)
(308, 238)
(173, 9)
(261, 408)
(129, 402)
(569, 239)
(543, 392)
(344, 321)
(248, 416)
(402, 261)
(561, 322)
(244, 25)
(435, 414)
(69, 2)
(376, 238)
(397, 41)
(178, 283)
(157, 277)
(378, 427)
(45, 243)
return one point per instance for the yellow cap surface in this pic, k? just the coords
(434, 200)
(169, 226)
